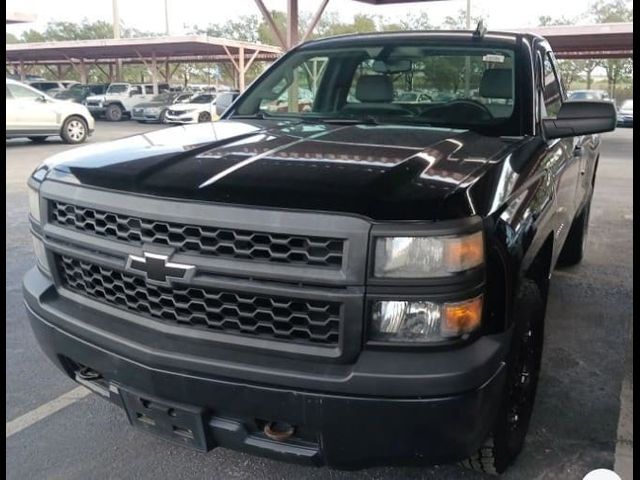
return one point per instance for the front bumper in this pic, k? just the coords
(145, 116)
(95, 110)
(386, 408)
(191, 117)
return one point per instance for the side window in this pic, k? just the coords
(148, 89)
(552, 94)
(18, 91)
(298, 95)
(135, 90)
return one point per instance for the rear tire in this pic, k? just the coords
(113, 113)
(509, 430)
(576, 243)
(74, 130)
(38, 139)
(204, 117)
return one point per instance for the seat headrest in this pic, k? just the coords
(496, 83)
(374, 89)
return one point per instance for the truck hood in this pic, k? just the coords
(377, 171)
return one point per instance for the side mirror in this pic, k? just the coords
(41, 99)
(577, 118)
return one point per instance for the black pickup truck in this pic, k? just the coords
(328, 275)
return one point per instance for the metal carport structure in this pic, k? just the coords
(606, 40)
(151, 52)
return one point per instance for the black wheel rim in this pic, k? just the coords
(523, 381)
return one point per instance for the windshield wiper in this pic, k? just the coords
(254, 116)
(368, 120)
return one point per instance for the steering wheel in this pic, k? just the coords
(466, 108)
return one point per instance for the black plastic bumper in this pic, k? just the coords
(340, 430)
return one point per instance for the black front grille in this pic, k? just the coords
(204, 240)
(289, 319)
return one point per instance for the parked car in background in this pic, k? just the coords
(119, 99)
(588, 95)
(224, 99)
(413, 97)
(78, 93)
(156, 109)
(200, 108)
(47, 86)
(35, 115)
(625, 114)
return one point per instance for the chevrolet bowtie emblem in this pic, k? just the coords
(157, 269)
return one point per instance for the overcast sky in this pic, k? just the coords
(149, 14)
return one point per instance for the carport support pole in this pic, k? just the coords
(83, 72)
(292, 23)
(21, 71)
(241, 69)
(154, 73)
(467, 60)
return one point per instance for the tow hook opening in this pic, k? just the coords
(85, 373)
(278, 431)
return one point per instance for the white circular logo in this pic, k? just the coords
(602, 474)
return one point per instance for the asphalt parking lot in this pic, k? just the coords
(575, 427)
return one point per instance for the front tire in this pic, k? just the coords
(575, 245)
(74, 130)
(204, 117)
(113, 113)
(509, 430)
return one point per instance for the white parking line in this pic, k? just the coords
(43, 411)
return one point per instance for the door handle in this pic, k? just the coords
(577, 151)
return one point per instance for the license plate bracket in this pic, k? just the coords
(179, 423)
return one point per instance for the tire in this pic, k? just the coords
(204, 117)
(162, 116)
(113, 113)
(74, 130)
(506, 439)
(38, 139)
(576, 243)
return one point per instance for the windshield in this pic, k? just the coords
(627, 105)
(203, 99)
(118, 88)
(468, 86)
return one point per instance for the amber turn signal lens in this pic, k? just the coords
(461, 317)
(464, 252)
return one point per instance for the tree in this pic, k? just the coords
(570, 71)
(459, 21)
(614, 11)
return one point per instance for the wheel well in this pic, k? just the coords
(115, 103)
(74, 115)
(540, 269)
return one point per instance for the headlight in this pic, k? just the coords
(423, 257)
(34, 203)
(41, 256)
(424, 321)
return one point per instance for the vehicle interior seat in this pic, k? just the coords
(497, 83)
(375, 92)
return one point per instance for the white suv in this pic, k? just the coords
(35, 115)
(120, 99)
